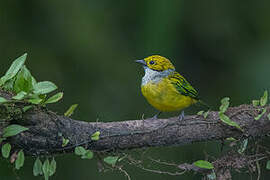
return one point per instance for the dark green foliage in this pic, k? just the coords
(19, 80)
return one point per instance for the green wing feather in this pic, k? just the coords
(183, 86)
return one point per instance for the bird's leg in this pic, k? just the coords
(156, 116)
(181, 116)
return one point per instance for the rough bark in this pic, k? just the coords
(46, 127)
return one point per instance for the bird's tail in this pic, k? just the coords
(204, 104)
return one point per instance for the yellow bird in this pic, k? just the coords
(164, 88)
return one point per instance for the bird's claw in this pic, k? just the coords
(156, 116)
(181, 116)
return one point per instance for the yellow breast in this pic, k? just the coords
(165, 97)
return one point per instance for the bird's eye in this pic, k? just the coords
(152, 62)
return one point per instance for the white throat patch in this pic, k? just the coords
(154, 76)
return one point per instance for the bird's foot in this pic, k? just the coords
(156, 116)
(181, 116)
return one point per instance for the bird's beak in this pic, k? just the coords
(141, 62)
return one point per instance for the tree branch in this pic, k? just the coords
(46, 130)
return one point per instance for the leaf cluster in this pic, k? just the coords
(225, 103)
(261, 104)
(84, 153)
(19, 80)
(46, 169)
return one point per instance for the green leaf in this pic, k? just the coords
(46, 169)
(88, 155)
(3, 100)
(264, 99)
(80, 151)
(260, 115)
(23, 81)
(6, 78)
(200, 113)
(204, 164)
(2, 81)
(26, 108)
(243, 146)
(95, 136)
(2, 139)
(13, 130)
(41, 96)
(111, 160)
(6, 150)
(34, 81)
(70, 111)
(85, 154)
(227, 120)
(16, 65)
(268, 165)
(256, 103)
(268, 116)
(44, 87)
(14, 69)
(52, 167)
(225, 102)
(55, 98)
(37, 168)
(36, 100)
(21, 95)
(122, 158)
(20, 160)
(205, 115)
(230, 139)
(8, 86)
(65, 142)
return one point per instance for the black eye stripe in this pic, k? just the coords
(152, 62)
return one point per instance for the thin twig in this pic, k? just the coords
(138, 164)
(161, 172)
(162, 162)
(258, 165)
(125, 172)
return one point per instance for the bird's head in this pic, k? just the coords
(156, 63)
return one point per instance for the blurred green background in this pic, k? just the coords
(88, 49)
